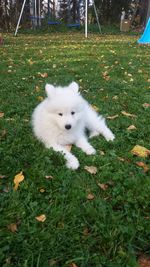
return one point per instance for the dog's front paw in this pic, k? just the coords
(110, 136)
(73, 164)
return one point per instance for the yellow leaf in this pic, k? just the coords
(91, 169)
(18, 179)
(140, 151)
(40, 98)
(42, 190)
(128, 114)
(41, 218)
(131, 127)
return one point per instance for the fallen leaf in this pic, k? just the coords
(143, 261)
(102, 186)
(131, 127)
(112, 117)
(42, 190)
(128, 114)
(1, 114)
(44, 75)
(91, 169)
(143, 165)
(12, 227)
(90, 196)
(86, 232)
(49, 177)
(102, 153)
(41, 218)
(140, 151)
(146, 105)
(73, 265)
(18, 179)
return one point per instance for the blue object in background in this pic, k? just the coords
(145, 38)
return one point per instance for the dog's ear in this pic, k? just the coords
(74, 86)
(50, 90)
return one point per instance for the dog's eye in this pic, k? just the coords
(72, 112)
(60, 114)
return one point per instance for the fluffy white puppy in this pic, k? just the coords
(62, 119)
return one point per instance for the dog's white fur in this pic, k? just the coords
(62, 118)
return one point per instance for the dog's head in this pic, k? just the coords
(65, 105)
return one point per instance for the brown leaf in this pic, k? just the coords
(112, 117)
(42, 190)
(115, 97)
(140, 151)
(128, 114)
(90, 196)
(1, 114)
(43, 75)
(12, 227)
(143, 165)
(41, 218)
(102, 186)
(143, 261)
(91, 169)
(73, 265)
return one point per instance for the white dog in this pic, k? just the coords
(62, 118)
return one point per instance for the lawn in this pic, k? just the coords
(89, 220)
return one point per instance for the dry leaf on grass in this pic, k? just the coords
(131, 127)
(143, 165)
(91, 169)
(90, 196)
(12, 227)
(50, 177)
(112, 117)
(73, 265)
(143, 261)
(1, 114)
(43, 75)
(140, 151)
(41, 218)
(128, 114)
(18, 179)
(102, 186)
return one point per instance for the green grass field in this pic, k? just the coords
(112, 228)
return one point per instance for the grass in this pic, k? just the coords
(111, 230)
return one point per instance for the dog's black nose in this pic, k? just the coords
(68, 126)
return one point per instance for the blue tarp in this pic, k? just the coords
(145, 38)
